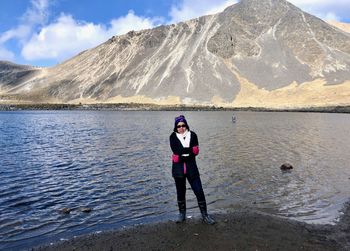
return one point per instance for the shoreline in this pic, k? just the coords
(241, 230)
(153, 107)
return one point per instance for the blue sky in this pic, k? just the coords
(47, 32)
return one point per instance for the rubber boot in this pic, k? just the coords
(206, 218)
(182, 211)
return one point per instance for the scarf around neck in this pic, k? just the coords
(184, 138)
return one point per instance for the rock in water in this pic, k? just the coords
(65, 210)
(286, 166)
(86, 209)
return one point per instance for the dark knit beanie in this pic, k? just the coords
(179, 119)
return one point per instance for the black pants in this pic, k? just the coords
(196, 186)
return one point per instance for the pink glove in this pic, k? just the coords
(195, 150)
(175, 158)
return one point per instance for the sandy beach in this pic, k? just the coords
(244, 230)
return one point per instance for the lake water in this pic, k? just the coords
(118, 164)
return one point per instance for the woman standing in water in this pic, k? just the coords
(184, 144)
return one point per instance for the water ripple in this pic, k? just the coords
(118, 164)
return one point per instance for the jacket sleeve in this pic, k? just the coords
(194, 139)
(194, 144)
(174, 147)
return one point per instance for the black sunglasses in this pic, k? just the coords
(179, 126)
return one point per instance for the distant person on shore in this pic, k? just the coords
(184, 144)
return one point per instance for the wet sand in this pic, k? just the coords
(245, 230)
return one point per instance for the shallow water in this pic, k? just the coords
(118, 164)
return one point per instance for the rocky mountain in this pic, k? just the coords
(11, 74)
(262, 53)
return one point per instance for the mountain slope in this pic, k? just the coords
(342, 26)
(11, 74)
(266, 45)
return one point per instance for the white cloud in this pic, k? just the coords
(20, 32)
(320, 2)
(220, 7)
(36, 14)
(325, 9)
(130, 22)
(6, 54)
(331, 16)
(189, 9)
(67, 37)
